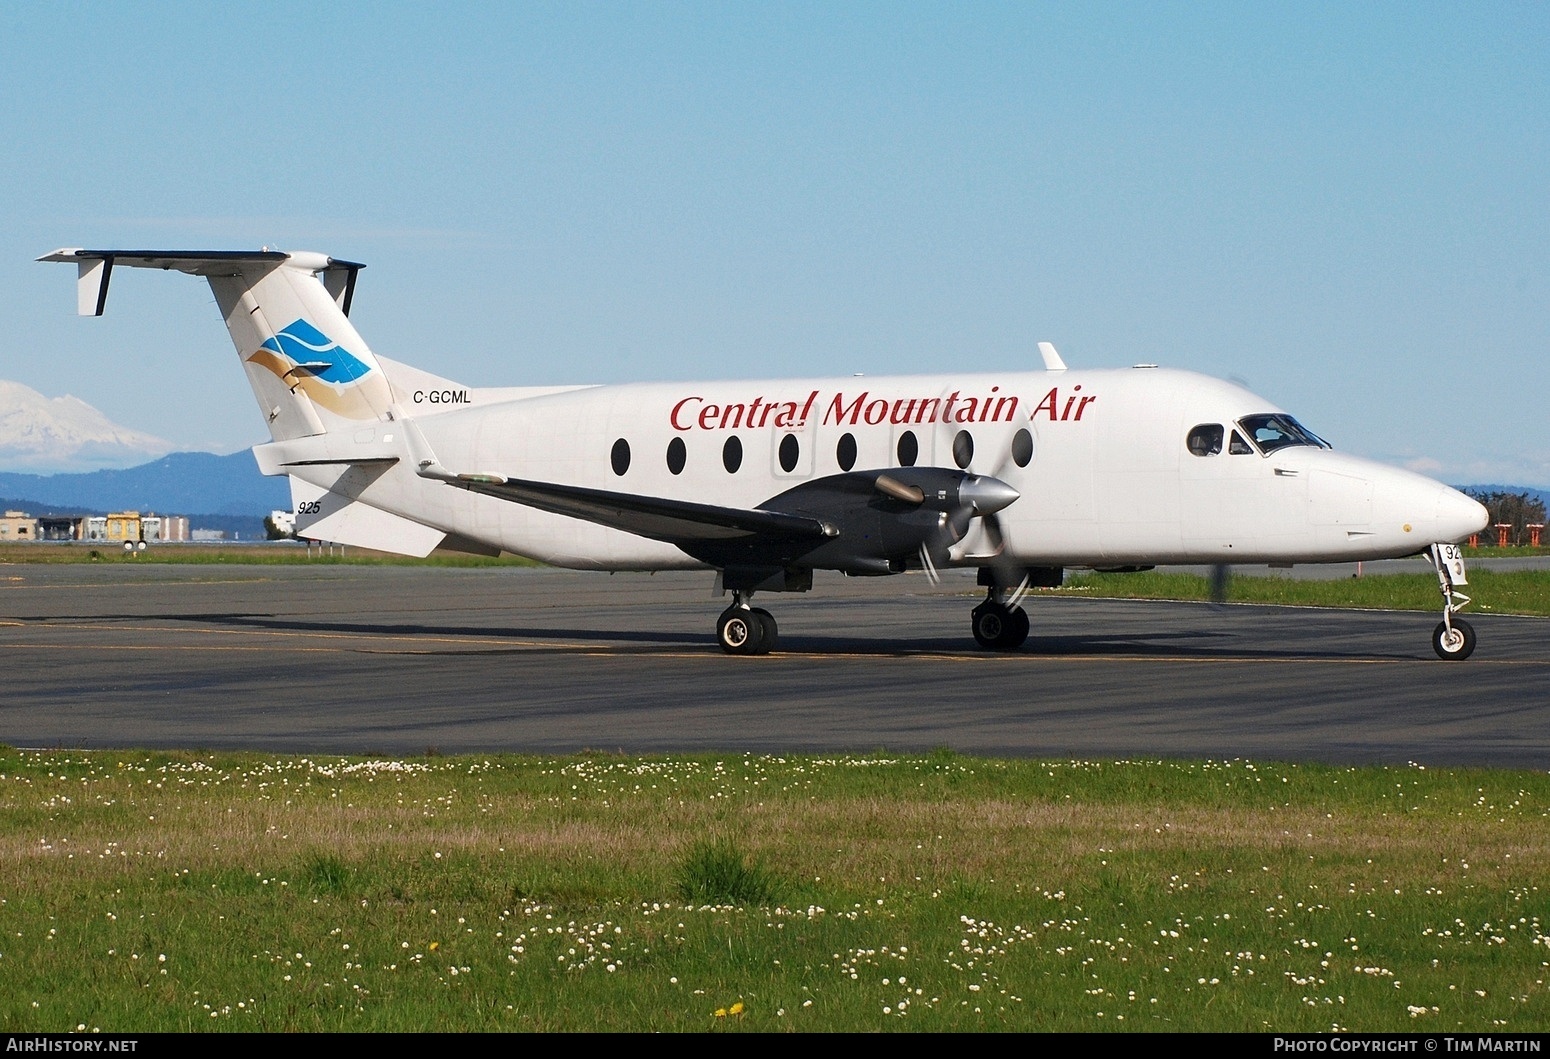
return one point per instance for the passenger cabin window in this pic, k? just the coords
(1022, 447)
(677, 455)
(732, 454)
(1271, 432)
(909, 449)
(1205, 440)
(845, 451)
(790, 449)
(963, 448)
(620, 457)
(1238, 447)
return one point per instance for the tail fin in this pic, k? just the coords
(288, 317)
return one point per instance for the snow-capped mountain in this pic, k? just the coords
(42, 435)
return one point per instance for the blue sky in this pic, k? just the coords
(1343, 205)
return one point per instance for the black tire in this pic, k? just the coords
(1457, 647)
(740, 631)
(999, 628)
(1017, 630)
(771, 630)
(987, 621)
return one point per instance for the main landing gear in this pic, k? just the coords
(998, 627)
(999, 624)
(1454, 638)
(745, 630)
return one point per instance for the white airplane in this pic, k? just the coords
(1020, 474)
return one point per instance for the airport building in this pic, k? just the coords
(115, 527)
(18, 526)
(164, 528)
(61, 528)
(122, 526)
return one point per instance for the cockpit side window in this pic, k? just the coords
(1238, 447)
(1271, 432)
(1205, 440)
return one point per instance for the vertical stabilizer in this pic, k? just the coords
(310, 370)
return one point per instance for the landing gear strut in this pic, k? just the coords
(999, 624)
(745, 630)
(1454, 638)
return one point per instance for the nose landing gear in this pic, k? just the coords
(745, 630)
(1454, 638)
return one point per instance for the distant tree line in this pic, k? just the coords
(1516, 509)
(273, 531)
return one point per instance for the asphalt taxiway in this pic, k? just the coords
(401, 659)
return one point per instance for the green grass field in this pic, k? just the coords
(239, 892)
(276, 553)
(1492, 591)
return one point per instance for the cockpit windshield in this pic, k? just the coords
(1271, 432)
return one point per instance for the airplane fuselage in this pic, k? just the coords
(1109, 478)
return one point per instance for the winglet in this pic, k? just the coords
(1052, 361)
(92, 286)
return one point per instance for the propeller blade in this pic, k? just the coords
(1017, 594)
(1221, 575)
(994, 495)
(929, 565)
(910, 494)
(973, 547)
(984, 494)
(993, 534)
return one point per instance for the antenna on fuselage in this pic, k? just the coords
(1052, 361)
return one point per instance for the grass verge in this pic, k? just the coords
(274, 553)
(182, 892)
(1493, 592)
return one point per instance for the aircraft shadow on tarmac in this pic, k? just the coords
(1175, 644)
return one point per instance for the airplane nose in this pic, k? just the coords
(1458, 515)
(986, 495)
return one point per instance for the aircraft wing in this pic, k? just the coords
(673, 521)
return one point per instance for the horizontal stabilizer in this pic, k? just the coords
(96, 268)
(323, 515)
(325, 450)
(194, 262)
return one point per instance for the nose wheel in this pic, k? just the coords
(1455, 639)
(745, 630)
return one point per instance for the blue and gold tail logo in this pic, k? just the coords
(305, 344)
(304, 359)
